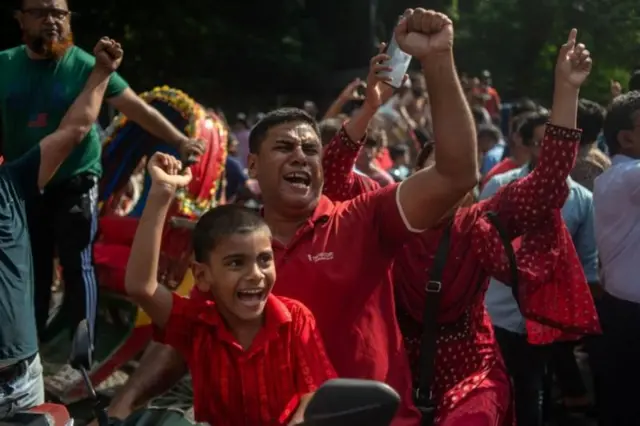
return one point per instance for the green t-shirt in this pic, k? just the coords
(35, 95)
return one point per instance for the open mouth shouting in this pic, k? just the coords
(299, 180)
(252, 298)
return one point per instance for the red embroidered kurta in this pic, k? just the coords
(471, 385)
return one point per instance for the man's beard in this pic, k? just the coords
(52, 49)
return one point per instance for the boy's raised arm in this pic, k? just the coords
(141, 280)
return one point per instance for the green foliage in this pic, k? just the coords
(237, 52)
(518, 40)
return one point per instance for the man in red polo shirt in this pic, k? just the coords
(336, 258)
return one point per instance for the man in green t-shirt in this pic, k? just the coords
(38, 83)
(21, 181)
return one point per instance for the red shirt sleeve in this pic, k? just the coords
(378, 218)
(553, 292)
(341, 183)
(525, 204)
(178, 332)
(312, 366)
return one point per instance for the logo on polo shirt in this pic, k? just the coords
(320, 257)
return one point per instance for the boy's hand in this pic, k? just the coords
(165, 171)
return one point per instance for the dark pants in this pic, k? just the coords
(65, 221)
(615, 360)
(564, 365)
(526, 366)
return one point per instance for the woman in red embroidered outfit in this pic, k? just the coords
(471, 386)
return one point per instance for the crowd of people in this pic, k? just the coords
(420, 237)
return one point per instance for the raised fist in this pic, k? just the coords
(421, 33)
(108, 54)
(574, 62)
(167, 172)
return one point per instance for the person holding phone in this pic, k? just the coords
(471, 386)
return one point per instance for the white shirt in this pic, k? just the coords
(616, 198)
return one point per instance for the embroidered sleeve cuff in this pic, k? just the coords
(563, 133)
(346, 140)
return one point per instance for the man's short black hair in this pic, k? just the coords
(275, 118)
(620, 117)
(590, 120)
(634, 81)
(491, 131)
(221, 222)
(530, 122)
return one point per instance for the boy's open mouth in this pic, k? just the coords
(252, 296)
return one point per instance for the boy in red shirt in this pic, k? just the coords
(254, 358)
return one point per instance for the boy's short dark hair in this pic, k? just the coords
(221, 222)
(590, 120)
(275, 118)
(620, 117)
(529, 123)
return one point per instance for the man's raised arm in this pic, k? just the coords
(84, 111)
(427, 196)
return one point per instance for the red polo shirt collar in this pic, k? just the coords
(320, 214)
(276, 315)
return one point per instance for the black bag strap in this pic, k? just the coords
(511, 256)
(423, 396)
(428, 345)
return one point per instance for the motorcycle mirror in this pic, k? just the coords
(80, 357)
(352, 402)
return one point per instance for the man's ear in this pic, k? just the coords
(252, 165)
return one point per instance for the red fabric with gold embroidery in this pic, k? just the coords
(470, 374)
(258, 386)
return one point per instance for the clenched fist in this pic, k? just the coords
(421, 33)
(108, 54)
(166, 172)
